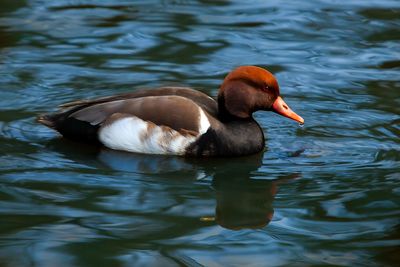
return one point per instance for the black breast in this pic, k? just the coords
(235, 138)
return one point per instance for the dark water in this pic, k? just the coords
(325, 194)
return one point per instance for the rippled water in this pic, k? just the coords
(324, 194)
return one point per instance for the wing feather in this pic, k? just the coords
(203, 100)
(175, 112)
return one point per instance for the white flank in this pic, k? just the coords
(134, 135)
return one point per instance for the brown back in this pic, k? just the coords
(173, 111)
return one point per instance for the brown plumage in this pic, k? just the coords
(177, 120)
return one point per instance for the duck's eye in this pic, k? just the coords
(267, 88)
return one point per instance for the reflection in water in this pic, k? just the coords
(145, 164)
(241, 202)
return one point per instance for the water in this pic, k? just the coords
(324, 194)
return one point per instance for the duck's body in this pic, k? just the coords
(173, 120)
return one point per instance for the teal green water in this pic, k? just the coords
(326, 194)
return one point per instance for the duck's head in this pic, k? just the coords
(248, 89)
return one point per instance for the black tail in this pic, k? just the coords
(47, 120)
(70, 127)
(54, 120)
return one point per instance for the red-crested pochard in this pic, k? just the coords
(178, 120)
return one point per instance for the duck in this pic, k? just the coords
(177, 120)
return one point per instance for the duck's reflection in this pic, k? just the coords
(241, 201)
(142, 163)
(244, 203)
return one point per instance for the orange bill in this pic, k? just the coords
(283, 109)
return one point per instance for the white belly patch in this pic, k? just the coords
(133, 134)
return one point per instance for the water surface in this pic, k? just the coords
(325, 194)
